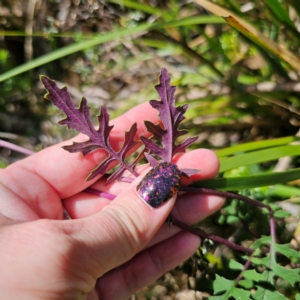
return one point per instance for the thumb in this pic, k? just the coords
(123, 228)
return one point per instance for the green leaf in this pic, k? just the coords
(284, 249)
(73, 48)
(290, 275)
(257, 261)
(222, 284)
(138, 6)
(232, 219)
(280, 13)
(281, 214)
(283, 191)
(246, 283)
(240, 294)
(234, 265)
(258, 157)
(103, 38)
(251, 181)
(252, 33)
(287, 251)
(246, 147)
(264, 294)
(253, 275)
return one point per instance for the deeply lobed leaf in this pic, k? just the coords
(80, 120)
(171, 117)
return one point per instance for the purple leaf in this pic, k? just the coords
(155, 129)
(171, 117)
(152, 161)
(188, 172)
(80, 120)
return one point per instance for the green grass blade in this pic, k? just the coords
(47, 35)
(258, 157)
(79, 46)
(252, 33)
(259, 39)
(280, 13)
(138, 6)
(195, 20)
(283, 191)
(251, 181)
(118, 33)
(255, 146)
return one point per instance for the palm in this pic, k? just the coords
(43, 185)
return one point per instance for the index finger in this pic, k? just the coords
(66, 172)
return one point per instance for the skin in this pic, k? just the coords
(107, 243)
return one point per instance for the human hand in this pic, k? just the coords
(107, 244)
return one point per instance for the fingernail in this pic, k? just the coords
(160, 184)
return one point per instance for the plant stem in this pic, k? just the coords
(203, 234)
(100, 194)
(246, 267)
(272, 246)
(16, 148)
(191, 189)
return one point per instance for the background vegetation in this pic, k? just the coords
(241, 81)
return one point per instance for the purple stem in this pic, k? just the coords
(100, 194)
(215, 238)
(176, 222)
(16, 147)
(196, 231)
(272, 227)
(273, 236)
(127, 179)
(192, 189)
(246, 267)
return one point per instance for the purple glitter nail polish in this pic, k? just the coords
(160, 184)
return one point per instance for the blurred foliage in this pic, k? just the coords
(239, 75)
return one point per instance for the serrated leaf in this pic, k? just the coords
(281, 214)
(240, 294)
(80, 120)
(246, 283)
(287, 251)
(253, 275)
(171, 117)
(284, 249)
(262, 241)
(290, 275)
(265, 294)
(257, 261)
(222, 284)
(234, 265)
